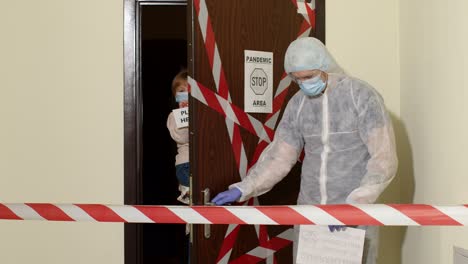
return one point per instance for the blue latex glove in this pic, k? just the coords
(337, 228)
(228, 196)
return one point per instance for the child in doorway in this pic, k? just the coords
(181, 137)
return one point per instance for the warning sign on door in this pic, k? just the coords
(258, 86)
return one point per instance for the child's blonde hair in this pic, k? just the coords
(179, 79)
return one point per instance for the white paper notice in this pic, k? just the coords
(181, 116)
(258, 84)
(460, 255)
(320, 246)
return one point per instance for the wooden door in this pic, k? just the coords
(221, 151)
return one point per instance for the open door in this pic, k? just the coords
(221, 151)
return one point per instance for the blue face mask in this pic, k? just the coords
(181, 97)
(313, 86)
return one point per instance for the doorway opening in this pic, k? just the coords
(159, 32)
(163, 55)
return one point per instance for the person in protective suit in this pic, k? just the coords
(345, 131)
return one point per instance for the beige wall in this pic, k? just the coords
(61, 139)
(425, 44)
(364, 38)
(434, 85)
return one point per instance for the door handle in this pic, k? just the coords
(206, 201)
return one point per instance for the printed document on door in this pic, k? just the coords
(318, 245)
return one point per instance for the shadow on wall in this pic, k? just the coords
(401, 190)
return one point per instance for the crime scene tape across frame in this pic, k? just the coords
(340, 214)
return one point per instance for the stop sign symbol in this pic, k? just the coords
(258, 81)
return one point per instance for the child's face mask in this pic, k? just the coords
(181, 97)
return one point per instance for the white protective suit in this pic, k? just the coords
(346, 134)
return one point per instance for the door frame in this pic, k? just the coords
(133, 125)
(133, 109)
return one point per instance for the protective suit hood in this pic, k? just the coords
(309, 54)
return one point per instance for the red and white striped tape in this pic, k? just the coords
(230, 111)
(267, 249)
(340, 214)
(222, 86)
(233, 129)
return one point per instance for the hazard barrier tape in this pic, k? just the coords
(230, 111)
(267, 249)
(235, 137)
(233, 129)
(222, 88)
(219, 78)
(340, 214)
